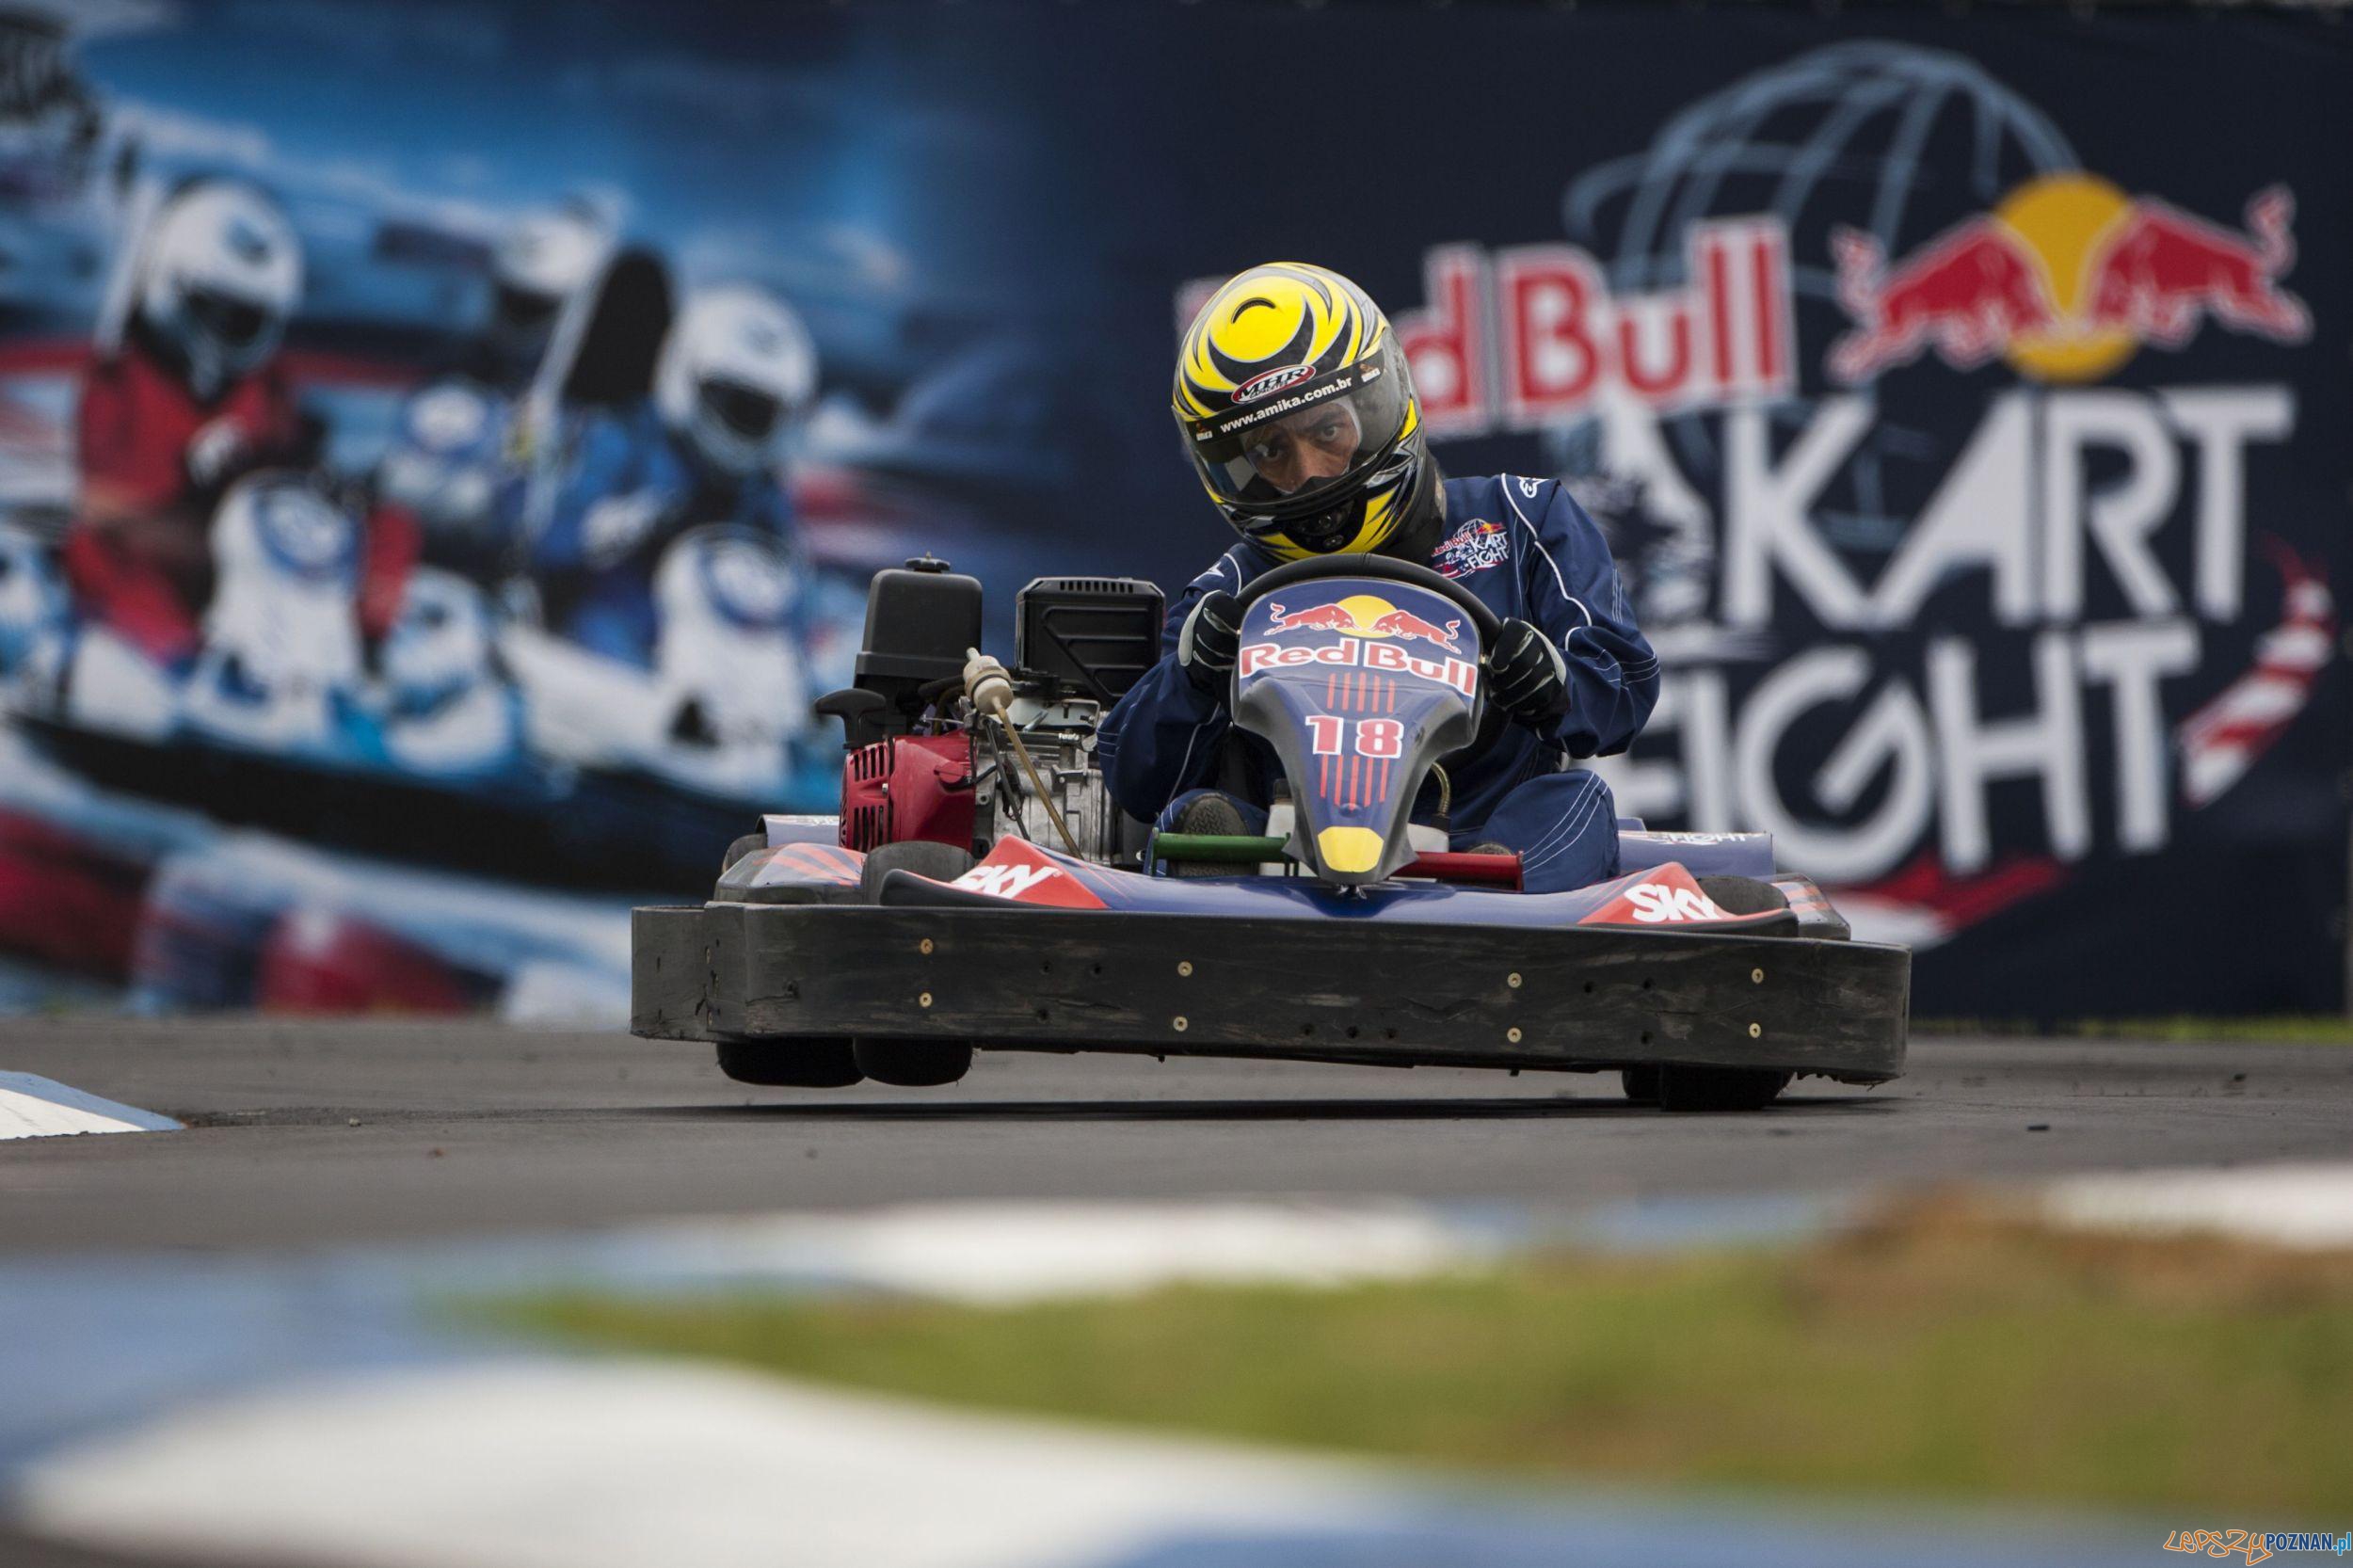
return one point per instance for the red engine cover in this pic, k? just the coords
(910, 787)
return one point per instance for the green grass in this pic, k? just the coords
(1947, 1356)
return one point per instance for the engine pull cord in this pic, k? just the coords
(991, 691)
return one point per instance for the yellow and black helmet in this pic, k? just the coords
(1299, 413)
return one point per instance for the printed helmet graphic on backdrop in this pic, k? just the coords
(737, 369)
(220, 272)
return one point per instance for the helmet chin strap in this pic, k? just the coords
(1420, 518)
(1330, 531)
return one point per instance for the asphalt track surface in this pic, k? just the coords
(469, 1129)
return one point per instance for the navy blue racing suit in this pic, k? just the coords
(1526, 549)
(631, 486)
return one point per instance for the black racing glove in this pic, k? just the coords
(1527, 673)
(1210, 642)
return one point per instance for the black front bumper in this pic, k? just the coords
(1321, 990)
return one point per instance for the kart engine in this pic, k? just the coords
(926, 763)
(1060, 739)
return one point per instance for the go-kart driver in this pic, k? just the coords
(450, 482)
(190, 400)
(1348, 472)
(737, 371)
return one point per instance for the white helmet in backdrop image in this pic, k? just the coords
(727, 665)
(280, 634)
(542, 262)
(221, 274)
(736, 371)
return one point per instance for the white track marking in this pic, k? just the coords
(2289, 1205)
(32, 1106)
(585, 1465)
(999, 1252)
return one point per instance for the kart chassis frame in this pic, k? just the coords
(1379, 992)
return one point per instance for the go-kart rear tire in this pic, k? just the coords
(915, 1063)
(1642, 1085)
(739, 849)
(1718, 1088)
(807, 1064)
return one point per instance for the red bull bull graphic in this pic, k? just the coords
(2065, 278)
(1968, 294)
(2165, 267)
(1323, 617)
(1365, 616)
(1404, 623)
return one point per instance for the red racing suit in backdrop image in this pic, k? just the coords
(155, 459)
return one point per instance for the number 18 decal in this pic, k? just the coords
(1374, 737)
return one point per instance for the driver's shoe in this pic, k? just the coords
(1213, 813)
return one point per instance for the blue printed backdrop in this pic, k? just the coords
(1968, 423)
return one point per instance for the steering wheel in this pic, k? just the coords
(1314, 569)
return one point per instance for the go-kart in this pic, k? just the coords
(980, 889)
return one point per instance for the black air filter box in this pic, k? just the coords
(919, 620)
(1095, 636)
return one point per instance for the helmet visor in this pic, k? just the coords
(745, 412)
(236, 325)
(1298, 446)
(526, 310)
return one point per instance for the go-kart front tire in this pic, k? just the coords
(1717, 1088)
(1683, 1088)
(812, 1063)
(914, 1064)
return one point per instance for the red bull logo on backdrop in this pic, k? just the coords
(1527, 336)
(2065, 280)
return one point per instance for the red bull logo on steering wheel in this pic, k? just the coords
(2065, 279)
(1366, 616)
(1360, 631)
